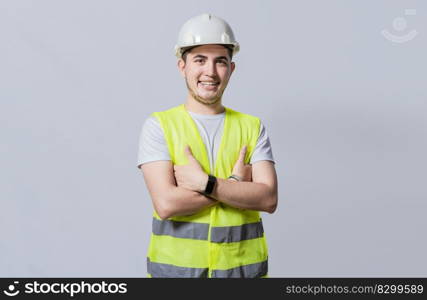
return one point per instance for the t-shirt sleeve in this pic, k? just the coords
(152, 143)
(262, 149)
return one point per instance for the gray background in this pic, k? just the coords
(345, 109)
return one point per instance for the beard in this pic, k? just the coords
(206, 101)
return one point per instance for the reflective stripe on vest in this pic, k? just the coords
(231, 234)
(187, 230)
(246, 271)
(199, 231)
(165, 270)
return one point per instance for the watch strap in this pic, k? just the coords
(210, 185)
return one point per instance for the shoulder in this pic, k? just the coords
(242, 115)
(151, 123)
(166, 112)
(151, 132)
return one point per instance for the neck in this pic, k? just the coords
(194, 106)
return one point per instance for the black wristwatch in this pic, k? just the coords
(210, 185)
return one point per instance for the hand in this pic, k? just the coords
(240, 168)
(190, 176)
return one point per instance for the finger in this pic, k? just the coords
(242, 154)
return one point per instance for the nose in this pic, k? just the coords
(210, 68)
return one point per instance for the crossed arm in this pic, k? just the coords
(176, 190)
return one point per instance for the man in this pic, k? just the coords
(209, 169)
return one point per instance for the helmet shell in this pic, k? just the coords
(205, 29)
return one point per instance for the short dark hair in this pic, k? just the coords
(188, 50)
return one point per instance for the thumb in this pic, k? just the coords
(242, 154)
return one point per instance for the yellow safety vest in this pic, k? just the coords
(218, 241)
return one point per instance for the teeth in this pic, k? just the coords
(208, 83)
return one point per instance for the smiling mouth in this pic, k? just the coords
(208, 83)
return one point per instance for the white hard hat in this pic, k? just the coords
(205, 29)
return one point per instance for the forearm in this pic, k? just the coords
(181, 202)
(246, 195)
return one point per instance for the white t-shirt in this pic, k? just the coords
(153, 147)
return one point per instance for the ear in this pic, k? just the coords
(232, 66)
(181, 66)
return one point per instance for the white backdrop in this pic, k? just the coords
(344, 105)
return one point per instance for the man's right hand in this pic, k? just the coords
(241, 169)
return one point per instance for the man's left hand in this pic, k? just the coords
(191, 176)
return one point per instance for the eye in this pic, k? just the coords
(198, 60)
(222, 62)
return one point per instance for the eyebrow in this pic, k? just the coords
(205, 57)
